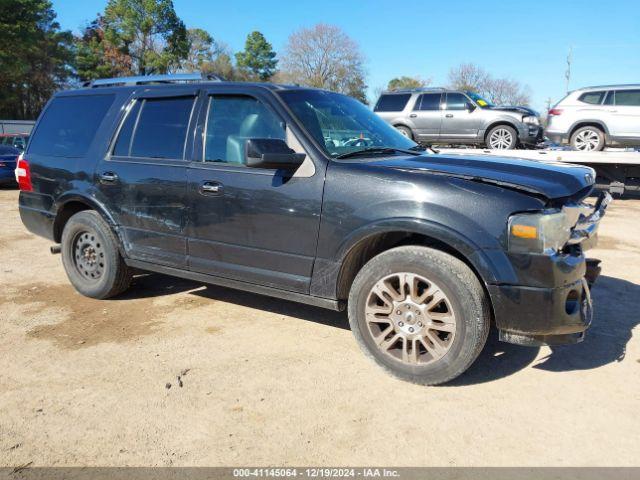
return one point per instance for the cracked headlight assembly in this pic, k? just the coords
(545, 233)
(531, 119)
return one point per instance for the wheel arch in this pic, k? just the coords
(365, 245)
(72, 203)
(588, 123)
(497, 123)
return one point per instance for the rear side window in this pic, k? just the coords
(593, 98)
(428, 101)
(629, 98)
(155, 128)
(392, 103)
(69, 124)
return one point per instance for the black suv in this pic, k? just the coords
(307, 195)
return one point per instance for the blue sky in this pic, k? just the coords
(527, 41)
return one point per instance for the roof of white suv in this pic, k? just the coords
(609, 87)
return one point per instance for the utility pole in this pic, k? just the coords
(567, 74)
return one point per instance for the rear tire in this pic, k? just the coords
(91, 257)
(405, 131)
(588, 139)
(419, 313)
(502, 137)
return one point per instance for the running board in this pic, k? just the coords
(238, 285)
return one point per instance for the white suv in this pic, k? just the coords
(594, 117)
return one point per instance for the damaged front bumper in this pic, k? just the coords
(561, 312)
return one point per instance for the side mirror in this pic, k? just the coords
(470, 107)
(271, 153)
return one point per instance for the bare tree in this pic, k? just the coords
(504, 91)
(324, 56)
(468, 77)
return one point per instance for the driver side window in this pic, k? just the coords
(456, 101)
(232, 119)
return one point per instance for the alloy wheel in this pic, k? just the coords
(587, 141)
(500, 138)
(410, 318)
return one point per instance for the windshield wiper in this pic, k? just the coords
(373, 150)
(423, 148)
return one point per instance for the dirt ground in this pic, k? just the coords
(269, 382)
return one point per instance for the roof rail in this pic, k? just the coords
(153, 79)
(417, 89)
(622, 85)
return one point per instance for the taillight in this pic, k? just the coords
(23, 175)
(555, 111)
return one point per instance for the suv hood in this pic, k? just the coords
(542, 178)
(516, 109)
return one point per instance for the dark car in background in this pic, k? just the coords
(8, 158)
(307, 195)
(16, 140)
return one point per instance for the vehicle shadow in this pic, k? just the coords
(616, 306)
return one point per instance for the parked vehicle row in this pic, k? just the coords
(307, 195)
(589, 119)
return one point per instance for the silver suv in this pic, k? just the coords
(594, 117)
(442, 116)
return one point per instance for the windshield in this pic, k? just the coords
(342, 124)
(482, 103)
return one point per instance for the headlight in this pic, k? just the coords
(531, 119)
(544, 232)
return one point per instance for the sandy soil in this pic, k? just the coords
(269, 382)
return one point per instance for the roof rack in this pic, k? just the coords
(417, 89)
(153, 79)
(622, 85)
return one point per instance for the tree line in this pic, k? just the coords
(142, 37)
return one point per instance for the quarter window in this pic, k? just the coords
(155, 128)
(593, 98)
(629, 98)
(392, 102)
(231, 120)
(69, 124)
(428, 101)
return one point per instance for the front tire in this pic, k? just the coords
(502, 137)
(588, 139)
(91, 257)
(419, 313)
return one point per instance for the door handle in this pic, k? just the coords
(449, 115)
(108, 177)
(413, 115)
(211, 188)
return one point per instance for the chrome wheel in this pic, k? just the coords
(501, 138)
(410, 318)
(587, 140)
(88, 255)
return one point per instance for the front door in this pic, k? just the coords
(427, 117)
(143, 180)
(250, 224)
(460, 121)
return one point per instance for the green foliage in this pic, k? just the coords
(149, 31)
(96, 57)
(258, 58)
(404, 82)
(35, 57)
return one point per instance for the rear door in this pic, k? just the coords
(250, 224)
(142, 181)
(625, 114)
(458, 122)
(427, 116)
